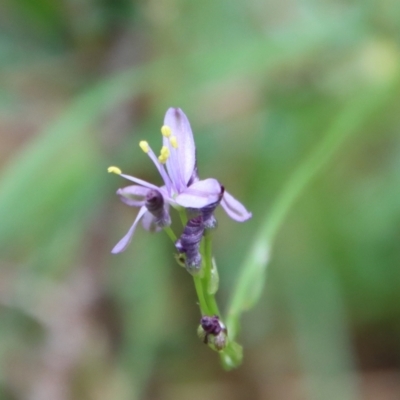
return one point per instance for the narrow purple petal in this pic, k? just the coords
(134, 196)
(124, 242)
(149, 223)
(164, 192)
(200, 194)
(185, 161)
(234, 208)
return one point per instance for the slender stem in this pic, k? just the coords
(231, 356)
(170, 233)
(183, 216)
(200, 294)
(207, 254)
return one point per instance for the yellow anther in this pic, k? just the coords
(114, 170)
(144, 146)
(164, 152)
(174, 142)
(162, 159)
(166, 131)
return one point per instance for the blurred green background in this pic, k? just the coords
(295, 109)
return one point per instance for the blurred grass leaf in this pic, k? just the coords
(356, 114)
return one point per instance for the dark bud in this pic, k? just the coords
(155, 204)
(207, 212)
(213, 332)
(154, 201)
(189, 243)
(211, 324)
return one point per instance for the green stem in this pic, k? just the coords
(200, 294)
(207, 257)
(231, 356)
(183, 216)
(170, 233)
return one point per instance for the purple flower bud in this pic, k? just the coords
(155, 205)
(213, 332)
(211, 324)
(189, 243)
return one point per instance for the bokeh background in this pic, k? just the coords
(295, 109)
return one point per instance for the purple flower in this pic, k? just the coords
(182, 187)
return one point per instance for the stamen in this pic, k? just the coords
(164, 154)
(174, 142)
(162, 159)
(144, 146)
(166, 131)
(114, 170)
(165, 151)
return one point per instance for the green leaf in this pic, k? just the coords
(354, 116)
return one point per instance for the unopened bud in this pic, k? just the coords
(213, 332)
(154, 201)
(189, 243)
(211, 324)
(155, 204)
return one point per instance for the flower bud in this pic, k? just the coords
(211, 324)
(189, 243)
(213, 332)
(155, 204)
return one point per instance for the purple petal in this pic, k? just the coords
(149, 223)
(133, 196)
(200, 194)
(234, 208)
(124, 242)
(164, 192)
(185, 161)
